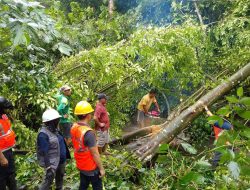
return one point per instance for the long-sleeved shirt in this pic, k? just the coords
(43, 147)
(63, 108)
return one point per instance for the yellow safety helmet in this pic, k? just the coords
(83, 108)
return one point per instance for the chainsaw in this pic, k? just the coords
(153, 114)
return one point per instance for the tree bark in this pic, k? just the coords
(125, 139)
(197, 10)
(176, 125)
(111, 7)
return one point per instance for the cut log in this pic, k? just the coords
(125, 139)
(181, 121)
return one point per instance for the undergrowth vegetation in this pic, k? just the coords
(143, 44)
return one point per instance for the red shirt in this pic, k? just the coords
(103, 117)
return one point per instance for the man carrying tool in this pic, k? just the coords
(63, 109)
(144, 106)
(52, 150)
(7, 141)
(86, 153)
(102, 124)
(218, 130)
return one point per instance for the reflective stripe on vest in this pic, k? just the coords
(84, 159)
(7, 136)
(4, 124)
(217, 131)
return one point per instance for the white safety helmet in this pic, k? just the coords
(50, 115)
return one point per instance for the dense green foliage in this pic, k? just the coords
(143, 44)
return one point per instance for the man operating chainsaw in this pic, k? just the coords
(144, 106)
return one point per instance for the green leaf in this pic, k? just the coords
(246, 133)
(215, 118)
(234, 169)
(232, 99)
(63, 48)
(225, 155)
(163, 148)
(240, 92)
(203, 164)
(142, 170)
(189, 148)
(245, 170)
(28, 4)
(244, 114)
(238, 124)
(224, 110)
(223, 138)
(245, 101)
(19, 38)
(27, 37)
(232, 154)
(192, 177)
(162, 159)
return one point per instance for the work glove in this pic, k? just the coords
(50, 174)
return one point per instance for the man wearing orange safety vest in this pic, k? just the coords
(7, 141)
(218, 130)
(85, 148)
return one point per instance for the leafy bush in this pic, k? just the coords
(25, 137)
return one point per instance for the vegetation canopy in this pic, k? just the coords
(184, 49)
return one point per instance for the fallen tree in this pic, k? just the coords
(140, 135)
(181, 120)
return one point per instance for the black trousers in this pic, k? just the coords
(216, 159)
(7, 174)
(94, 180)
(59, 174)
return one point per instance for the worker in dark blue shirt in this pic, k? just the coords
(218, 130)
(52, 151)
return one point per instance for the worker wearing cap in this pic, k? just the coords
(102, 124)
(86, 154)
(63, 109)
(52, 150)
(7, 141)
(144, 106)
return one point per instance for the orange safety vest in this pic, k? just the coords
(217, 131)
(84, 159)
(7, 136)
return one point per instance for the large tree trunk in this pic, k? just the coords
(181, 121)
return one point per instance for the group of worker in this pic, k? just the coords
(53, 142)
(88, 144)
